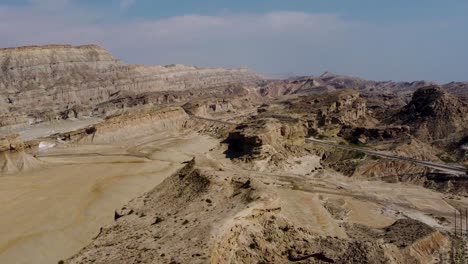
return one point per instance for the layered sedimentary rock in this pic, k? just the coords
(434, 114)
(266, 138)
(137, 123)
(343, 107)
(60, 81)
(259, 191)
(328, 113)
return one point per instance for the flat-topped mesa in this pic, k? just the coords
(39, 83)
(50, 46)
(33, 60)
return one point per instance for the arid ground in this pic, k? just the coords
(103, 162)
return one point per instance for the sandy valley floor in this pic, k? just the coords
(52, 212)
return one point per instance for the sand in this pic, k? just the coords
(50, 213)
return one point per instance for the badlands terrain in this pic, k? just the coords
(103, 162)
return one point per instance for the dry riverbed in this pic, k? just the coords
(49, 213)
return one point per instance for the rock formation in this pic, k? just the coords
(266, 139)
(364, 135)
(11, 143)
(434, 114)
(205, 216)
(16, 156)
(137, 123)
(327, 113)
(248, 170)
(328, 82)
(41, 83)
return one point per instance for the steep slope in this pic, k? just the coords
(266, 138)
(434, 114)
(135, 124)
(459, 89)
(201, 215)
(61, 81)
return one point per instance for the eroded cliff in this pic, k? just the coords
(41, 83)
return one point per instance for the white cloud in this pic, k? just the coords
(50, 4)
(274, 42)
(126, 4)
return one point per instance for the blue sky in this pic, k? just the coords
(374, 39)
(373, 10)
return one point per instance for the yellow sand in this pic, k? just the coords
(50, 213)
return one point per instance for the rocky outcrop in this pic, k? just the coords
(342, 107)
(207, 107)
(197, 98)
(364, 135)
(44, 82)
(414, 242)
(328, 113)
(213, 216)
(177, 221)
(125, 126)
(11, 143)
(266, 138)
(434, 114)
(15, 155)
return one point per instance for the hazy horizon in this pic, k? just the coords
(398, 41)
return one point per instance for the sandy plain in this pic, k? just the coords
(50, 213)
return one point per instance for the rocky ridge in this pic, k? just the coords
(258, 190)
(434, 114)
(58, 79)
(393, 91)
(232, 218)
(329, 82)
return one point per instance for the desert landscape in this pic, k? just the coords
(106, 162)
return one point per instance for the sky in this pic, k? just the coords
(372, 39)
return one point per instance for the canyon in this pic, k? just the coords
(103, 162)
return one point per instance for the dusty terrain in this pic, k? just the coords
(75, 191)
(219, 212)
(103, 162)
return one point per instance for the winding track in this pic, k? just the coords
(458, 170)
